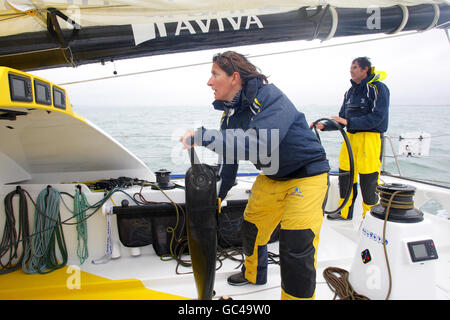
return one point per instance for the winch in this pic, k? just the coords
(396, 255)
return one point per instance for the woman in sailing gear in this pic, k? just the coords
(365, 113)
(260, 124)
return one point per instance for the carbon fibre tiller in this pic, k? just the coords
(201, 206)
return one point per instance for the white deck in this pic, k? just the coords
(337, 248)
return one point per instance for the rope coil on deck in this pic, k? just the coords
(337, 281)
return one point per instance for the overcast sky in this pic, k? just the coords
(417, 66)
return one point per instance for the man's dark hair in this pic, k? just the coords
(364, 62)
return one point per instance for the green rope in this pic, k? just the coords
(79, 211)
(41, 256)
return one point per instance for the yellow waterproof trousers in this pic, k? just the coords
(366, 148)
(298, 205)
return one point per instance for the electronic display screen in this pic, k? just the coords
(20, 88)
(42, 92)
(420, 251)
(59, 98)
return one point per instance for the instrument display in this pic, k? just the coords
(59, 98)
(20, 88)
(422, 250)
(44, 93)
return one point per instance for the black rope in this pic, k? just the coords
(11, 239)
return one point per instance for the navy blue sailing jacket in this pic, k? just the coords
(366, 105)
(263, 126)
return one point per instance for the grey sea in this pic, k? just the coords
(152, 133)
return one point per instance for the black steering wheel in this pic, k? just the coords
(350, 173)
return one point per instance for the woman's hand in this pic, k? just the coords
(319, 125)
(187, 139)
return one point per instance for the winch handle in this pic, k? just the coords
(197, 168)
(351, 172)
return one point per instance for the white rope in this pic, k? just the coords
(108, 251)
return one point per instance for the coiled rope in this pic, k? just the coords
(39, 247)
(337, 281)
(387, 199)
(80, 206)
(39, 253)
(41, 256)
(10, 239)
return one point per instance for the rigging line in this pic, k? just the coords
(94, 7)
(33, 51)
(440, 135)
(429, 180)
(248, 56)
(442, 24)
(336, 45)
(10, 14)
(24, 14)
(135, 73)
(431, 136)
(11, 17)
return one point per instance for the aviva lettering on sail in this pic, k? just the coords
(150, 31)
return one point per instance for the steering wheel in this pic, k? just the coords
(350, 173)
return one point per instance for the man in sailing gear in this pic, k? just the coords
(365, 113)
(261, 124)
